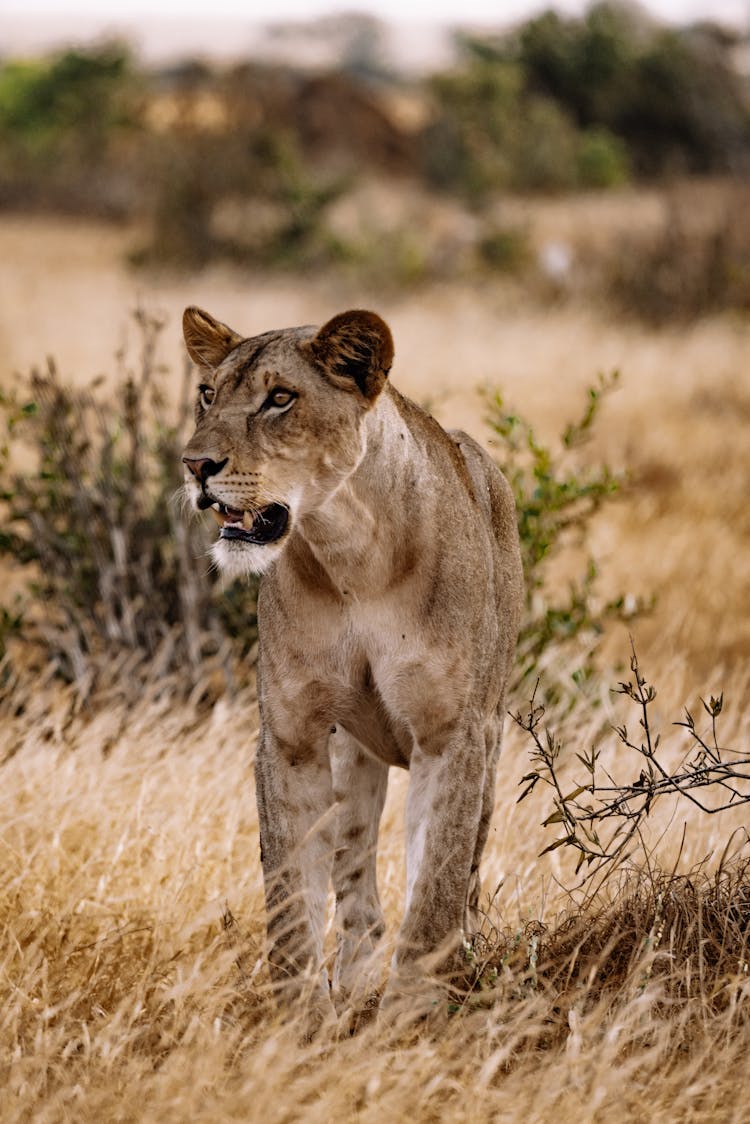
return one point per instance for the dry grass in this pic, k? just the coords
(132, 983)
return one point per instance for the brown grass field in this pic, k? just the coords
(132, 977)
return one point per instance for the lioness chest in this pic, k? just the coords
(374, 666)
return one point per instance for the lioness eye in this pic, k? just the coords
(280, 397)
(206, 394)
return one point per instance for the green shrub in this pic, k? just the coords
(556, 500)
(566, 102)
(602, 160)
(505, 249)
(495, 129)
(546, 149)
(118, 589)
(674, 96)
(587, 64)
(62, 121)
(281, 217)
(76, 92)
(468, 146)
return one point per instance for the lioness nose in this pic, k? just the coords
(203, 467)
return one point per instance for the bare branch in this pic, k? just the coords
(600, 816)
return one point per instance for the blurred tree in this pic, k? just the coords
(688, 108)
(587, 65)
(60, 118)
(574, 102)
(673, 95)
(497, 127)
(469, 144)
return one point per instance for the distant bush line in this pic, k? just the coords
(556, 104)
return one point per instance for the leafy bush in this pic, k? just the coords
(556, 499)
(117, 582)
(61, 124)
(586, 63)
(602, 159)
(674, 96)
(505, 249)
(468, 145)
(545, 156)
(494, 130)
(75, 94)
(564, 103)
(278, 217)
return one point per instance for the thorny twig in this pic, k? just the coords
(601, 817)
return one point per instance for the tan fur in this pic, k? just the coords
(388, 610)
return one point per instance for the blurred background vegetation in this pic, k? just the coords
(354, 172)
(272, 165)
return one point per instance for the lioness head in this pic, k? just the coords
(279, 425)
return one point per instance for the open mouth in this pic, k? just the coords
(266, 525)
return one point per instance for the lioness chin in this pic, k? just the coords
(388, 614)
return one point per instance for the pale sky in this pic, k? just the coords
(451, 11)
(229, 29)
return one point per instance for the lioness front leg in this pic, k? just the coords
(295, 811)
(443, 811)
(359, 784)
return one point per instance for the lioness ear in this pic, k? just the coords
(355, 348)
(208, 341)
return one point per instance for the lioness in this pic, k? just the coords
(388, 614)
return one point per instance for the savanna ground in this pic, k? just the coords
(132, 912)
